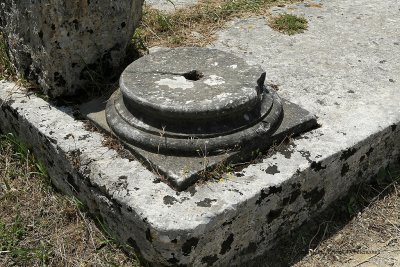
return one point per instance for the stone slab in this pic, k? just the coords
(180, 172)
(170, 5)
(345, 69)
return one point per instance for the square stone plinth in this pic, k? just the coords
(180, 172)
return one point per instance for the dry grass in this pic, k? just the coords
(40, 227)
(195, 26)
(371, 238)
(362, 228)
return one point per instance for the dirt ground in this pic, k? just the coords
(372, 238)
(362, 230)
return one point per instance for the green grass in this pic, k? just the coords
(289, 24)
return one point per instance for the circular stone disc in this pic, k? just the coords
(190, 83)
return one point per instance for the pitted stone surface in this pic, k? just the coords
(232, 221)
(191, 83)
(64, 44)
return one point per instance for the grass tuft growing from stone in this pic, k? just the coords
(39, 226)
(289, 24)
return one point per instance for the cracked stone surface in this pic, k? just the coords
(63, 45)
(345, 69)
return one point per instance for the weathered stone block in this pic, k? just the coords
(65, 44)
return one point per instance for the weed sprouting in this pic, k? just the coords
(289, 24)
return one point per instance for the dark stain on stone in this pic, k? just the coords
(236, 190)
(227, 223)
(272, 170)
(123, 177)
(53, 27)
(287, 153)
(314, 196)
(136, 188)
(173, 260)
(123, 24)
(205, 202)
(83, 137)
(184, 199)
(209, 260)
(52, 140)
(148, 235)
(169, 200)
(345, 169)
(174, 241)
(362, 158)
(273, 214)
(393, 127)
(274, 189)
(157, 181)
(271, 190)
(41, 34)
(192, 190)
(369, 151)
(239, 174)
(189, 245)
(317, 166)
(348, 153)
(263, 195)
(226, 245)
(306, 154)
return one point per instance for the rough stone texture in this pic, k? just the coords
(232, 221)
(65, 44)
(170, 5)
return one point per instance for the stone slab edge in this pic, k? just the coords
(228, 222)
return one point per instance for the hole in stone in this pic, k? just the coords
(193, 75)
